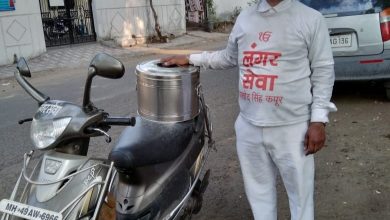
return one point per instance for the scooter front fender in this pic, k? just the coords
(73, 188)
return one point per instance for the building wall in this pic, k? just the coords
(225, 8)
(21, 32)
(127, 18)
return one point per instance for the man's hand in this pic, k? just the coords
(315, 137)
(179, 60)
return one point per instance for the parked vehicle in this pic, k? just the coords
(153, 172)
(360, 37)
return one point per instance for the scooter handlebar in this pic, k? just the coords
(119, 121)
(33, 92)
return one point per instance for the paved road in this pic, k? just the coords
(352, 178)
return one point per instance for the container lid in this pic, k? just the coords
(154, 69)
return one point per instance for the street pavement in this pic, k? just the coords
(80, 55)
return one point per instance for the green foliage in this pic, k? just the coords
(237, 10)
(211, 9)
(252, 2)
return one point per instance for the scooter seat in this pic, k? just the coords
(150, 142)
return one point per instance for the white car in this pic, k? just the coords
(360, 37)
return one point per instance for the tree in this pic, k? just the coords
(157, 26)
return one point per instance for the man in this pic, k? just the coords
(286, 71)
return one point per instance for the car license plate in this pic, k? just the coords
(344, 40)
(27, 212)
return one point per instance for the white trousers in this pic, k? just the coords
(263, 151)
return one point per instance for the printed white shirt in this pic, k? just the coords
(285, 63)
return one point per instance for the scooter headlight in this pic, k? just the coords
(45, 132)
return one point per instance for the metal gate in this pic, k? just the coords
(195, 13)
(67, 22)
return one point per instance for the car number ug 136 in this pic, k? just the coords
(27, 212)
(344, 40)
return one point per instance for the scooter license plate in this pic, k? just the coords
(27, 212)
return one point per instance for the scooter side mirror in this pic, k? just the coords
(107, 66)
(23, 68)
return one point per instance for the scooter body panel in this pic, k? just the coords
(154, 190)
(57, 196)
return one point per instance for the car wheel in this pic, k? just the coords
(388, 93)
(387, 87)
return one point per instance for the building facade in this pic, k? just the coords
(27, 27)
(225, 8)
(124, 20)
(21, 32)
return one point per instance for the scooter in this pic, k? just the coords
(153, 172)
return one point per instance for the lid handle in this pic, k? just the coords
(169, 66)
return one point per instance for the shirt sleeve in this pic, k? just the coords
(323, 76)
(222, 59)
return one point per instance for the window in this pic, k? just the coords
(347, 7)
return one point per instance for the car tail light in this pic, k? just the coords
(371, 61)
(385, 24)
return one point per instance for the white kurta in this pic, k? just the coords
(285, 63)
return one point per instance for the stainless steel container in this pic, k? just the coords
(167, 94)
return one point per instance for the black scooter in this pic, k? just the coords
(153, 172)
